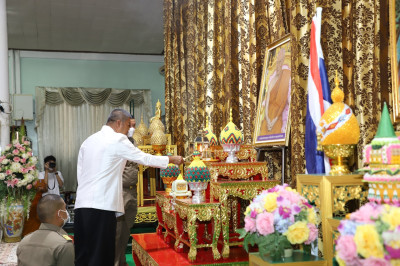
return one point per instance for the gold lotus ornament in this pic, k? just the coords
(158, 141)
(155, 125)
(338, 132)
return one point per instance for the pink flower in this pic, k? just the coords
(291, 196)
(371, 261)
(2, 158)
(253, 214)
(313, 233)
(26, 142)
(393, 252)
(29, 153)
(28, 187)
(367, 213)
(10, 183)
(15, 181)
(16, 159)
(23, 160)
(346, 249)
(22, 149)
(15, 151)
(8, 172)
(284, 212)
(24, 170)
(249, 224)
(265, 223)
(18, 146)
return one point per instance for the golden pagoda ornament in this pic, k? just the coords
(142, 128)
(338, 132)
(231, 138)
(158, 141)
(155, 122)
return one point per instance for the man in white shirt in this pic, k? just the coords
(101, 161)
(52, 178)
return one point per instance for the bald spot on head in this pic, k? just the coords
(48, 207)
(118, 114)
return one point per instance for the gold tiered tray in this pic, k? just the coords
(237, 171)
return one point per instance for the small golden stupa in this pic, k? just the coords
(231, 134)
(138, 138)
(338, 132)
(142, 128)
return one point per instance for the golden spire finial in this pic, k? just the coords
(337, 94)
(230, 119)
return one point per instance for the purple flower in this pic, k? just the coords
(253, 214)
(284, 212)
(348, 227)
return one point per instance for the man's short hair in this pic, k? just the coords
(118, 114)
(48, 206)
(49, 158)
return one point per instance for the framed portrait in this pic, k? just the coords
(273, 118)
(394, 24)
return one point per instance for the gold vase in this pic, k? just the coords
(339, 153)
(168, 183)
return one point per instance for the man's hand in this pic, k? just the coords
(175, 159)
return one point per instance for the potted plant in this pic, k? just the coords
(370, 236)
(277, 219)
(17, 176)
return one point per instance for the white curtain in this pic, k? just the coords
(64, 122)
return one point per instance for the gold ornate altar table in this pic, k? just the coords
(205, 211)
(330, 194)
(166, 216)
(222, 190)
(237, 171)
(246, 152)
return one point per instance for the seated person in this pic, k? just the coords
(52, 178)
(50, 244)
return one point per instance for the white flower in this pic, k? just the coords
(2, 176)
(5, 161)
(15, 141)
(15, 167)
(24, 155)
(33, 160)
(29, 177)
(8, 147)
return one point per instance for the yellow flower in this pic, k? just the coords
(297, 233)
(395, 262)
(270, 202)
(248, 210)
(291, 189)
(311, 216)
(340, 261)
(392, 218)
(367, 241)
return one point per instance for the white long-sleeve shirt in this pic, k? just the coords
(101, 161)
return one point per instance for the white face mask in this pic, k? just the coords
(130, 132)
(64, 220)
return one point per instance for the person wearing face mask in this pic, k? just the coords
(50, 244)
(126, 221)
(99, 197)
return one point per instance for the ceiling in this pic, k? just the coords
(104, 26)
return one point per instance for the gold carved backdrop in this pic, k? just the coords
(214, 50)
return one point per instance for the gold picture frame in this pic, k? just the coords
(273, 117)
(394, 12)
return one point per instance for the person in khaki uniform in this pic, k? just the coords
(126, 221)
(50, 244)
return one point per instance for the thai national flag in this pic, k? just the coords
(318, 100)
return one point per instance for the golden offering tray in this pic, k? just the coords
(246, 152)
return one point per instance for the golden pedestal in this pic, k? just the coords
(339, 153)
(330, 194)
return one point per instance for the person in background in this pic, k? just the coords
(101, 161)
(126, 221)
(52, 178)
(50, 244)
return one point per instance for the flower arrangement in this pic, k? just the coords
(277, 219)
(17, 175)
(371, 236)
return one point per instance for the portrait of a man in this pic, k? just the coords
(274, 99)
